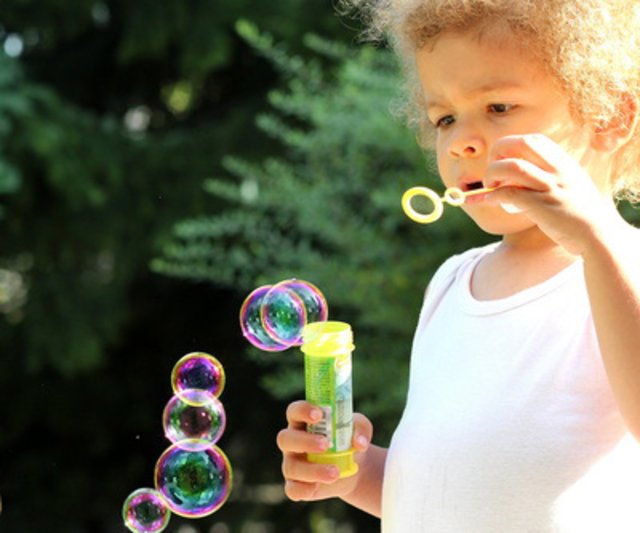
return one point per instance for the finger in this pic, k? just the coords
(514, 172)
(362, 432)
(301, 413)
(516, 200)
(534, 147)
(300, 441)
(298, 468)
(300, 491)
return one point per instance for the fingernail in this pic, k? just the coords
(362, 441)
(323, 444)
(316, 414)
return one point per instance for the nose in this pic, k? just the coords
(466, 142)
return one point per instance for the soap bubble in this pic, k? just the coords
(313, 301)
(198, 370)
(272, 317)
(193, 484)
(194, 419)
(144, 511)
(283, 315)
(252, 325)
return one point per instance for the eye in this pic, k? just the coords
(445, 121)
(500, 109)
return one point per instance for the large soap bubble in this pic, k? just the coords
(144, 511)
(194, 419)
(272, 317)
(283, 315)
(252, 325)
(193, 484)
(315, 304)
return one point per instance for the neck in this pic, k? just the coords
(532, 240)
(521, 261)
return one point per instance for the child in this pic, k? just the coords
(523, 410)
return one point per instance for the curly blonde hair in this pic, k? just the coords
(590, 47)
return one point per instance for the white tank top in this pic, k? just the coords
(510, 424)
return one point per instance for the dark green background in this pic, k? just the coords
(158, 161)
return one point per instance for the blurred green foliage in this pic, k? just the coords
(114, 116)
(15, 102)
(328, 210)
(112, 113)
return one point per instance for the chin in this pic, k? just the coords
(501, 223)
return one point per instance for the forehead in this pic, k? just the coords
(461, 64)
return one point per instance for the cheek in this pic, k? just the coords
(442, 166)
(446, 165)
(441, 156)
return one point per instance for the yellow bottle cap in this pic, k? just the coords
(343, 460)
(326, 339)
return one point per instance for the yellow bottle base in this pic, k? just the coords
(343, 460)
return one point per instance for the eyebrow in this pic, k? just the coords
(483, 89)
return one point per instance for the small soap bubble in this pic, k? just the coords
(198, 370)
(144, 511)
(283, 315)
(252, 324)
(194, 419)
(193, 484)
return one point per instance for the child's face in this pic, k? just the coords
(477, 92)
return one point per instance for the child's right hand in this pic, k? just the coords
(309, 481)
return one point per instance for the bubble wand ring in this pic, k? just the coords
(422, 218)
(452, 196)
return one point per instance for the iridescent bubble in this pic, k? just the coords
(198, 370)
(194, 419)
(252, 325)
(315, 304)
(283, 315)
(144, 511)
(290, 305)
(193, 484)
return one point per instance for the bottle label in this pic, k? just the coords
(328, 385)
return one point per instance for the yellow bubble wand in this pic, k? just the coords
(452, 196)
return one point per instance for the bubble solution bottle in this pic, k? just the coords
(327, 348)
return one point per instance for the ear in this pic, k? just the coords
(611, 135)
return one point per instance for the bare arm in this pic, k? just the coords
(367, 494)
(558, 195)
(612, 273)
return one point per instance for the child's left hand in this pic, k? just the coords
(543, 181)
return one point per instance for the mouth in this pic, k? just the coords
(472, 186)
(471, 183)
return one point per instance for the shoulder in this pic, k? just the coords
(446, 276)
(450, 268)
